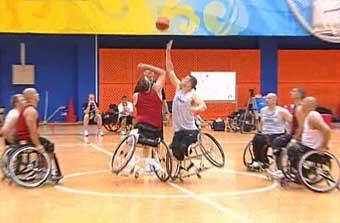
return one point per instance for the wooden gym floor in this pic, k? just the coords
(90, 193)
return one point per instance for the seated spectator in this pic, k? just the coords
(92, 115)
(125, 109)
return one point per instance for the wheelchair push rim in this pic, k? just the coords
(29, 168)
(123, 154)
(163, 159)
(211, 149)
(325, 174)
(4, 161)
(288, 170)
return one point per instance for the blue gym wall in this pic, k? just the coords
(65, 65)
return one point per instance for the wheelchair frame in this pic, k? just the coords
(22, 165)
(199, 156)
(249, 150)
(312, 163)
(131, 140)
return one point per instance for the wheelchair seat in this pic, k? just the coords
(149, 135)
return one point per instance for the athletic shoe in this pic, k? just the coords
(278, 174)
(156, 166)
(86, 133)
(255, 165)
(101, 133)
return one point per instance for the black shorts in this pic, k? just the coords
(129, 119)
(181, 141)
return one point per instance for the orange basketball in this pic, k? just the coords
(162, 23)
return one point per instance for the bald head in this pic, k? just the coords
(309, 104)
(31, 95)
(271, 99)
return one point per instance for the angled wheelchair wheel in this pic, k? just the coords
(28, 167)
(211, 149)
(4, 161)
(163, 159)
(319, 171)
(248, 155)
(123, 154)
(112, 127)
(289, 171)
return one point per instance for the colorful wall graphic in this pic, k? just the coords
(137, 17)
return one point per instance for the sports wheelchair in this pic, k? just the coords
(143, 136)
(249, 157)
(318, 171)
(205, 148)
(27, 166)
(111, 121)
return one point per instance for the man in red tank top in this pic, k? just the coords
(297, 95)
(148, 103)
(28, 133)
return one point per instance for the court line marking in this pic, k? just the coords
(230, 212)
(164, 196)
(187, 192)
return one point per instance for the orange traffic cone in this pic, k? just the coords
(71, 115)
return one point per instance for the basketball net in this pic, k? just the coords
(325, 17)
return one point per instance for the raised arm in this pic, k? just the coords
(161, 78)
(170, 67)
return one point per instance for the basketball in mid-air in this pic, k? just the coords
(162, 23)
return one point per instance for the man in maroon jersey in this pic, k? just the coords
(27, 130)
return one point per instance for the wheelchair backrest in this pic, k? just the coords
(149, 135)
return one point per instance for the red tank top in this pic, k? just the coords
(149, 109)
(22, 129)
(294, 122)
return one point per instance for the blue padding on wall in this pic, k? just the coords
(269, 62)
(64, 66)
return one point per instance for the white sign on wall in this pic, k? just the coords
(216, 86)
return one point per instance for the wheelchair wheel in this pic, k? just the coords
(211, 149)
(289, 171)
(163, 158)
(29, 168)
(123, 154)
(4, 161)
(248, 156)
(112, 127)
(320, 172)
(248, 122)
(234, 124)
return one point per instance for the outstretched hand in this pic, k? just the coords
(169, 45)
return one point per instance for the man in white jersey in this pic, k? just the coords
(315, 132)
(8, 129)
(185, 105)
(125, 117)
(272, 124)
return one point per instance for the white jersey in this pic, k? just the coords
(273, 122)
(182, 118)
(311, 138)
(128, 109)
(11, 121)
